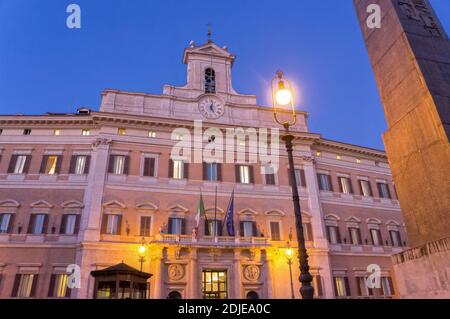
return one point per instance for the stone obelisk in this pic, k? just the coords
(410, 56)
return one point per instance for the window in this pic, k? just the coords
(358, 161)
(56, 132)
(275, 233)
(387, 287)
(325, 182)
(69, 224)
(214, 284)
(80, 164)
(375, 234)
(345, 185)
(176, 226)
(5, 223)
(355, 236)
(85, 132)
(300, 177)
(178, 169)
(50, 165)
(338, 157)
(248, 229)
(1, 131)
(118, 164)
(396, 239)
(333, 235)
(244, 174)
(145, 226)
(20, 164)
(121, 131)
(179, 137)
(211, 171)
(383, 190)
(365, 188)
(341, 287)
(152, 134)
(111, 224)
(38, 224)
(26, 132)
(210, 81)
(317, 284)
(149, 167)
(24, 285)
(58, 286)
(106, 289)
(213, 227)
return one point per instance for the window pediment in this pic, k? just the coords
(114, 204)
(72, 204)
(41, 204)
(147, 206)
(9, 203)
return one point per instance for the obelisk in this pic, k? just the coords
(410, 56)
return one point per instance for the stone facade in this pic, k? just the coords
(410, 56)
(138, 129)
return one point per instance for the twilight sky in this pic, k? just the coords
(137, 46)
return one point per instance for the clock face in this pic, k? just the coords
(211, 107)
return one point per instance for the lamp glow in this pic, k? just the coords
(142, 250)
(289, 252)
(283, 97)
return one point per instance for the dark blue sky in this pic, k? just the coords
(137, 45)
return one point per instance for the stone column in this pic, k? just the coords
(159, 275)
(193, 275)
(237, 294)
(268, 271)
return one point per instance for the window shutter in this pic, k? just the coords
(220, 230)
(330, 183)
(87, 165)
(361, 192)
(146, 172)
(112, 159)
(170, 168)
(319, 292)
(341, 190)
(59, 160)
(26, 167)
(51, 288)
(328, 234)
(237, 173)
(335, 287)
(15, 289)
(303, 177)
(11, 224)
(186, 171)
(252, 175)
(183, 226)
(241, 229)
(104, 223)
(119, 225)
(370, 188)
(379, 190)
(62, 229)
(309, 231)
(205, 171)
(207, 233)
(391, 284)
(359, 236)
(126, 168)
(219, 172)
(388, 191)
(152, 167)
(347, 287)
(45, 225)
(73, 162)
(379, 236)
(254, 229)
(338, 233)
(34, 286)
(12, 164)
(31, 224)
(170, 226)
(43, 164)
(77, 224)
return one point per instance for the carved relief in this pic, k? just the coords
(175, 272)
(419, 11)
(252, 273)
(101, 141)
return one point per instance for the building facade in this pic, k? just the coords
(88, 188)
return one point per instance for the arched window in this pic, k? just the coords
(252, 295)
(174, 295)
(210, 81)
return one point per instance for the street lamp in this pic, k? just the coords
(283, 102)
(289, 254)
(142, 250)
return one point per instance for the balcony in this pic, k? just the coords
(222, 241)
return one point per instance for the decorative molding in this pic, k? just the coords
(9, 203)
(114, 204)
(41, 204)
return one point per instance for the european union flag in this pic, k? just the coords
(229, 217)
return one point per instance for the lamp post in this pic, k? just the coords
(283, 102)
(289, 255)
(142, 250)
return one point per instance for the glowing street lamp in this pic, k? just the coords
(283, 104)
(142, 251)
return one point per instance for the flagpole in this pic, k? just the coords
(215, 216)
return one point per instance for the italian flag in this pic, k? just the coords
(198, 217)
